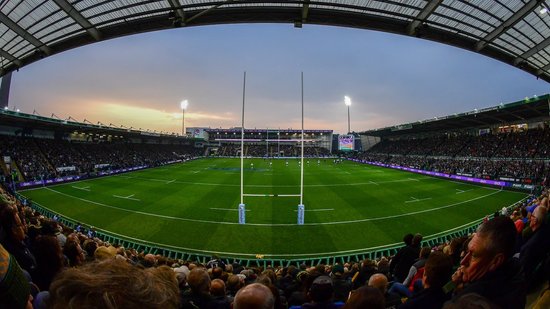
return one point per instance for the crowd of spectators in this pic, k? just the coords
(521, 156)
(528, 144)
(44, 264)
(251, 150)
(38, 159)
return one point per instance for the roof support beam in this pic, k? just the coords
(206, 11)
(175, 4)
(23, 33)
(540, 46)
(10, 57)
(305, 14)
(509, 23)
(79, 18)
(544, 70)
(422, 16)
(305, 10)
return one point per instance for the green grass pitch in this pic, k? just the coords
(350, 207)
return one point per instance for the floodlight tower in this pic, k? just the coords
(184, 104)
(347, 101)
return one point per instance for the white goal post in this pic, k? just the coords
(301, 206)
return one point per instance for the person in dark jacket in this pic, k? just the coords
(407, 239)
(437, 272)
(380, 281)
(198, 296)
(405, 258)
(536, 249)
(488, 268)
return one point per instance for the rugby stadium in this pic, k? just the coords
(284, 208)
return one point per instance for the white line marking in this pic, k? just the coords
(414, 199)
(194, 172)
(129, 197)
(462, 191)
(374, 183)
(276, 224)
(317, 254)
(83, 188)
(227, 209)
(171, 181)
(326, 209)
(282, 186)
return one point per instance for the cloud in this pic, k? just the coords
(139, 80)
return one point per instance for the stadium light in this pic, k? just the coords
(184, 104)
(347, 101)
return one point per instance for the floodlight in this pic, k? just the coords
(184, 104)
(347, 100)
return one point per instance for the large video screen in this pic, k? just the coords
(346, 142)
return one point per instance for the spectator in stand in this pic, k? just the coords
(234, 284)
(199, 293)
(219, 298)
(536, 249)
(14, 240)
(417, 266)
(181, 275)
(15, 289)
(383, 266)
(405, 258)
(407, 239)
(380, 281)
(74, 252)
(368, 267)
(280, 300)
(254, 296)
(50, 260)
(437, 273)
(365, 297)
(215, 262)
(342, 285)
(321, 294)
(488, 268)
(114, 284)
(413, 282)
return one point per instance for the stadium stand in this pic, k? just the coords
(516, 155)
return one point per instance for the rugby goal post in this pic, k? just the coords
(301, 206)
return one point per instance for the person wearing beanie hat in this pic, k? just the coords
(15, 289)
(342, 286)
(104, 253)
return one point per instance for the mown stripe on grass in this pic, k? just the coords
(278, 224)
(293, 255)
